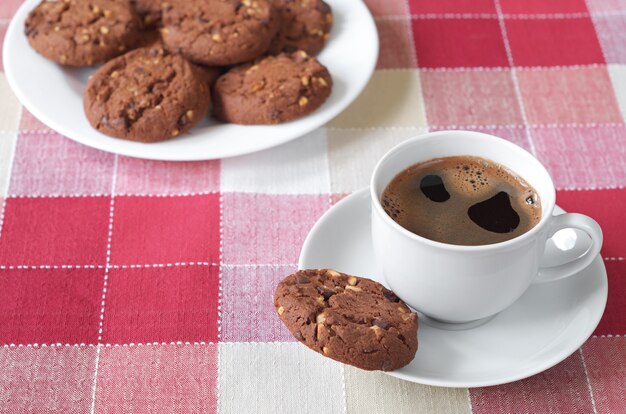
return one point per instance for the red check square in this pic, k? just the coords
(451, 6)
(553, 42)
(459, 43)
(166, 229)
(161, 304)
(55, 231)
(613, 321)
(543, 6)
(50, 305)
(607, 207)
(605, 359)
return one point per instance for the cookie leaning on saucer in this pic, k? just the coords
(147, 95)
(272, 90)
(352, 320)
(82, 33)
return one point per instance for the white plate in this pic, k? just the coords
(546, 325)
(54, 94)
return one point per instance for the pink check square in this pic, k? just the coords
(262, 228)
(30, 123)
(583, 157)
(47, 379)
(157, 379)
(562, 388)
(50, 164)
(569, 95)
(470, 97)
(137, 176)
(612, 34)
(248, 313)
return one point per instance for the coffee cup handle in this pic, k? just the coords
(575, 221)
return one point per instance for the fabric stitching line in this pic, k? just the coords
(219, 302)
(105, 283)
(589, 387)
(140, 266)
(516, 85)
(494, 16)
(194, 343)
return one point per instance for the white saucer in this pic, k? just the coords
(546, 325)
(53, 93)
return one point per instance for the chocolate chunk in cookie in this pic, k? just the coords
(219, 32)
(146, 95)
(149, 11)
(352, 320)
(305, 25)
(82, 33)
(272, 90)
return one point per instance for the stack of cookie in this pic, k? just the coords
(165, 62)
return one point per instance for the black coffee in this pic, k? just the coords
(462, 200)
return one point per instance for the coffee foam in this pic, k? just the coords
(469, 180)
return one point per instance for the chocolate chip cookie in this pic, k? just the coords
(82, 33)
(305, 25)
(349, 319)
(219, 32)
(146, 95)
(272, 90)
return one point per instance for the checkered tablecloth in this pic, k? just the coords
(140, 286)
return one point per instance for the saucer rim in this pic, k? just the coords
(522, 374)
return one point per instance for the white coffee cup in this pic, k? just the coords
(467, 284)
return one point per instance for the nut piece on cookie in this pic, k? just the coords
(149, 11)
(305, 25)
(350, 319)
(272, 90)
(147, 95)
(82, 33)
(219, 32)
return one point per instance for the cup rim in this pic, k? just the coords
(457, 247)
